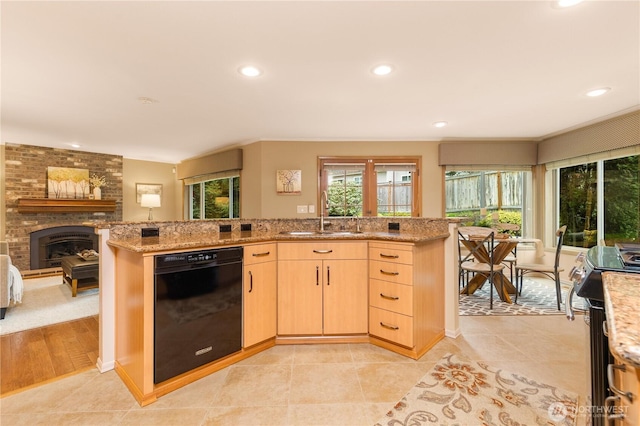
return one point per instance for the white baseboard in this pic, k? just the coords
(104, 367)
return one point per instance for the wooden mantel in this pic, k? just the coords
(59, 205)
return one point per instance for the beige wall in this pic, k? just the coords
(262, 159)
(136, 171)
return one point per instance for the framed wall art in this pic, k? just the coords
(147, 188)
(289, 182)
(66, 182)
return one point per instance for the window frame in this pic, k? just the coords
(553, 171)
(369, 181)
(232, 200)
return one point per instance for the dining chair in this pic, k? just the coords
(511, 259)
(463, 256)
(551, 271)
(480, 259)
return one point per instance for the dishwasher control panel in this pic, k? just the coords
(208, 257)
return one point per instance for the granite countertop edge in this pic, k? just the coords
(621, 296)
(172, 243)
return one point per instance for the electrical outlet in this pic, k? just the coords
(312, 208)
(302, 209)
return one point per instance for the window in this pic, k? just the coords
(214, 199)
(484, 197)
(381, 186)
(600, 200)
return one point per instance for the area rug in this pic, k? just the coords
(460, 392)
(48, 301)
(538, 298)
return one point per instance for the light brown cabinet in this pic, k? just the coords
(623, 408)
(406, 296)
(322, 288)
(259, 294)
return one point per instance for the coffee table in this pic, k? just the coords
(80, 274)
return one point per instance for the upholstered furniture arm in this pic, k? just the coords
(5, 261)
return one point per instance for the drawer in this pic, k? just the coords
(389, 253)
(391, 297)
(259, 253)
(392, 272)
(322, 250)
(391, 326)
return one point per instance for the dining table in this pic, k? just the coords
(504, 244)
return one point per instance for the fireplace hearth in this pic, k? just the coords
(48, 246)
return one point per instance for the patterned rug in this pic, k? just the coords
(459, 392)
(538, 298)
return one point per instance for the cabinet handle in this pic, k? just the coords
(609, 406)
(250, 282)
(328, 276)
(390, 327)
(382, 271)
(389, 256)
(384, 296)
(317, 275)
(264, 253)
(323, 251)
(611, 380)
(605, 328)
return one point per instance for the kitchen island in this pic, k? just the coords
(394, 300)
(622, 294)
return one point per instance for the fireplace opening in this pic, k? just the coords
(48, 246)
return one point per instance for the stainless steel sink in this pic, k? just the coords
(298, 232)
(303, 233)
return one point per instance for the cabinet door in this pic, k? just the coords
(345, 296)
(299, 297)
(259, 303)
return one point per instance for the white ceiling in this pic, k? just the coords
(72, 72)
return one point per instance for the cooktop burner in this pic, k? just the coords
(629, 253)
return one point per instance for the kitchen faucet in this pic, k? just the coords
(323, 205)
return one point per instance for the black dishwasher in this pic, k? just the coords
(198, 309)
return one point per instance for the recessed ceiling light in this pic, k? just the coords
(75, 145)
(440, 124)
(383, 69)
(567, 3)
(147, 101)
(598, 92)
(250, 71)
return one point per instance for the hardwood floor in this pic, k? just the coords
(44, 354)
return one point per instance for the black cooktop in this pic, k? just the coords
(630, 254)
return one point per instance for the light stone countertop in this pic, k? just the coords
(194, 235)
(622, 298)
(178, 242)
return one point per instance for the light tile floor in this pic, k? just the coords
(349, 384)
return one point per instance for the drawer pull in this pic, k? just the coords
(384, 296)
(382, 271)
(611, 381)
(609, 407)
(390, 327)
(389, 256)
(323, 251)
(264, 253)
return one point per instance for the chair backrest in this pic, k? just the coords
(560, 234)
(480, 246)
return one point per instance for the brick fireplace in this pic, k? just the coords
(26, 177)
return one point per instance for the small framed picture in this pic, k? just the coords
(147, 188)
(289, 182)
